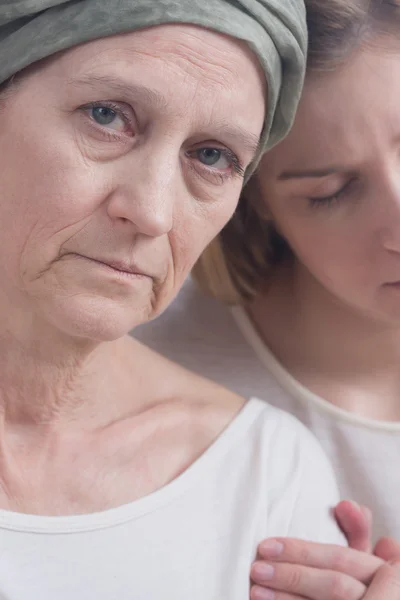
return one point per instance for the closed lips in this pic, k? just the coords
(117, 265)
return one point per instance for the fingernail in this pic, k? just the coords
(261, 571)
(259, 593)
(271, 548)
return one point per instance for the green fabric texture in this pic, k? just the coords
(274, 29)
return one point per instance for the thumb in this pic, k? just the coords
(356, 524)
(386, 583)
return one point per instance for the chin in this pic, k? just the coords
(391, 317)
(97, 319)
(386, 306)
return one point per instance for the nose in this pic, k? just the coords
(146, 193)
(390, 214)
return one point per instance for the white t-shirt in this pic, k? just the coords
(221, 344)
(195, 538)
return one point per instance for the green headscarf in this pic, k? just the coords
(275, 30)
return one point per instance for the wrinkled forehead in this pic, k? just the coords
(177, 69)
(206, 52)
(344, 116)
(197, 56)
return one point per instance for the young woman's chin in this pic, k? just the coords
(381, 309)
(388, 304)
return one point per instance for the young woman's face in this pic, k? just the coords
(332, 186)
(120, 161)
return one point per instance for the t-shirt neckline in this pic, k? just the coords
(204, 464)
(293, 386)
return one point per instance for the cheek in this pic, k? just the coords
(59, 190)
(333, 253)
(196, 228)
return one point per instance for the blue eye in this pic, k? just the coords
(110, 116)
(211, 156)
(106, 116)
(218, 159)
(103, 115)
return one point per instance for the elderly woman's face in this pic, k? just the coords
(121, 160)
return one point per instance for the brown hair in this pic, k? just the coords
(240, 258)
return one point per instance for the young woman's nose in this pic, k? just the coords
(388, 206)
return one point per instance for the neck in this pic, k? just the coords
(50, 379)
(325, 344)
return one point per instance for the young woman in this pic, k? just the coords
(311, 262)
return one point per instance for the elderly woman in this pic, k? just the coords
(125, 136)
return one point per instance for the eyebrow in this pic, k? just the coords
(250, 142)
(309, 174)
(120, 87)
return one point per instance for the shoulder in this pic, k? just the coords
(284, 429)
(294, 448)
(196, 395)
(303, 488)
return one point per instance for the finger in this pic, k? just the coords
(387, 549)
(306, 582)
(359, 565)
(386, 583)
(356, 523)
(261, 593)
(368, 517)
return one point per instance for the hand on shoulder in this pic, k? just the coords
(289, 569)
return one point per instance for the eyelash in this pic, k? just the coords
(328, 201)
(237, 165)
(238, 169)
